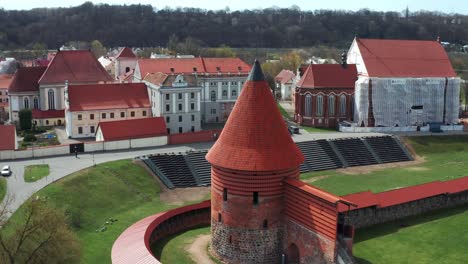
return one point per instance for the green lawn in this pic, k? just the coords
(34, 173)
(3, 187)
(318, 129)
(445, 158)
(118, 189)
(173, 248)
(437, 237)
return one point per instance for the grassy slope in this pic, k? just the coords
(430, 238)
(445, 159)
(117, 189)
(173, 248)
(34, 173)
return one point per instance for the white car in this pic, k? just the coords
(6, 171)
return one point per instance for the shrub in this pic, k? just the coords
(29, 137)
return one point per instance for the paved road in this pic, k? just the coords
(20, 191)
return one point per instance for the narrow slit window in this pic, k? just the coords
(225, 194)
(220, 218)
(265, 224)
(255, 198)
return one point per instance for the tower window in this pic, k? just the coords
(265, 224)
(225, 194)
(220, 218)
(230, 239)
(255, 198)
(127, 69)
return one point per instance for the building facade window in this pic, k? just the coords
(132, 113)
(224, 93)
(80, 130)
(51, 96)
(144, 113)
(91, 116)
(91, 129)
(26, 102)
(180, 96)
(103, 115)
(36, 103)
(213, 96)
(213, 111)
(192, 129)
(180, 107)
(193, 117)
(331, 105)
(168, 97)
(122, 114)
(343, 105)
(180, 118)
(234, 93)
(192, 95)
(180, 129)
(308, 105)
(192, 106)
(168, 107)
(111, 115)
(319, 105)
(80, 117)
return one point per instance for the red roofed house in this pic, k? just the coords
(74, 67)
(221, 80)
(403, 83)
(151, 129)
(5, 80)
(324, 95)
(23, 91)
(284, 83)
(91, 104)
(125, 63)
(8, 138)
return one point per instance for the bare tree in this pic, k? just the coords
(38, 234)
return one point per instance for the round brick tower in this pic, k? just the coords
(250, 160)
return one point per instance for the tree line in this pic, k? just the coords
(145, 26)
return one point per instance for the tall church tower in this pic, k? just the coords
(250, 160)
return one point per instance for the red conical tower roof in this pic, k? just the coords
(255, 137)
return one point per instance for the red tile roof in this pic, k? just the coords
(38, 114)
(328, 76)
(326, 196)
(26, 79)
(133, 128)
(125, 53)
(405, 58)
(407, 194)
(255, 137)
(5, 80)
(285, 76)
(187, 65)
(74, 66)
(8, 137)
(108, 96)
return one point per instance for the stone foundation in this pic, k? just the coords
(246, 246)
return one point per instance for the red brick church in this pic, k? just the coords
(324, 96)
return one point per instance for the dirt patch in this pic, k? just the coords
(417, 169)
(311, 180)
(199, 249)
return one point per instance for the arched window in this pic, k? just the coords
(319, 105)
(308, 105)
(224, 93)
(51, 95)
(36, 103)
(213, 96)
(331, 105)
(234, 93)
(26, 102)
(343, 105)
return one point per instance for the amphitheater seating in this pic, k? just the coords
(354, 152)
(174, 168)
(201, 167)
(192, 169)
(387, 149)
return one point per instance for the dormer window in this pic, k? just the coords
(172, 70)
(218, 69)
(239, 68)
(195, 69)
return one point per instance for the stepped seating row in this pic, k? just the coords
(174, 168)
(192, 169)
(387, 149)
(354, 152)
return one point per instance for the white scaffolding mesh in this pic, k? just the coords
(407, 101)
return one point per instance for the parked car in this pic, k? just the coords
(293, 129)
(6, 171)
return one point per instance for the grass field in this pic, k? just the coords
(3, 187)
(445, 159)
(34, 173)
(318, 129)
(118, 189)
(436, 237)
(173, 248)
